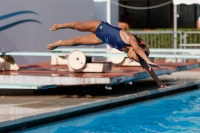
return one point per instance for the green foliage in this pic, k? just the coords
(166, 40)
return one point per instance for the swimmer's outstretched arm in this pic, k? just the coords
(140, 52)
(151, 72)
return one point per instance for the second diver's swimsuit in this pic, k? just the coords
(110, 35)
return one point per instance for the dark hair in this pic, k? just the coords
(145, 49)
(141, 45)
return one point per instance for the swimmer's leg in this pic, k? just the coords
(89, 26)
(90, 39)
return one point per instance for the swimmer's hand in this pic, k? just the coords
(55, 27)
(154, 65)
(163, 85)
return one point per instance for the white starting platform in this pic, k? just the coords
(77, 62)
(122, 60)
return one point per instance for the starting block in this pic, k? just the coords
(122, 61)
(9, 64)
(78, 62)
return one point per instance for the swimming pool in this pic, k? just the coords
(177, 113)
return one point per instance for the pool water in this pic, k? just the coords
(177, 113)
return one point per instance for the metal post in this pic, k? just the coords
(108, 11)
(108, 17)
(175, 27)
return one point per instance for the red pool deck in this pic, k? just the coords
(44, 73)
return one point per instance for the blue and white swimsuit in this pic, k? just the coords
(110, 35)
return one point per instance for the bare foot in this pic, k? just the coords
(55, 27)
(51, 46)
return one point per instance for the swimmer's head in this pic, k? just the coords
(132, 54)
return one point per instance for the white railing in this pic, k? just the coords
(191, 37)
(158, 39)
(155, 53)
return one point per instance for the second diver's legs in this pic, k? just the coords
(90, 39)
(89, 26)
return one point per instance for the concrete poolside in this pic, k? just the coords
(70, 100)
